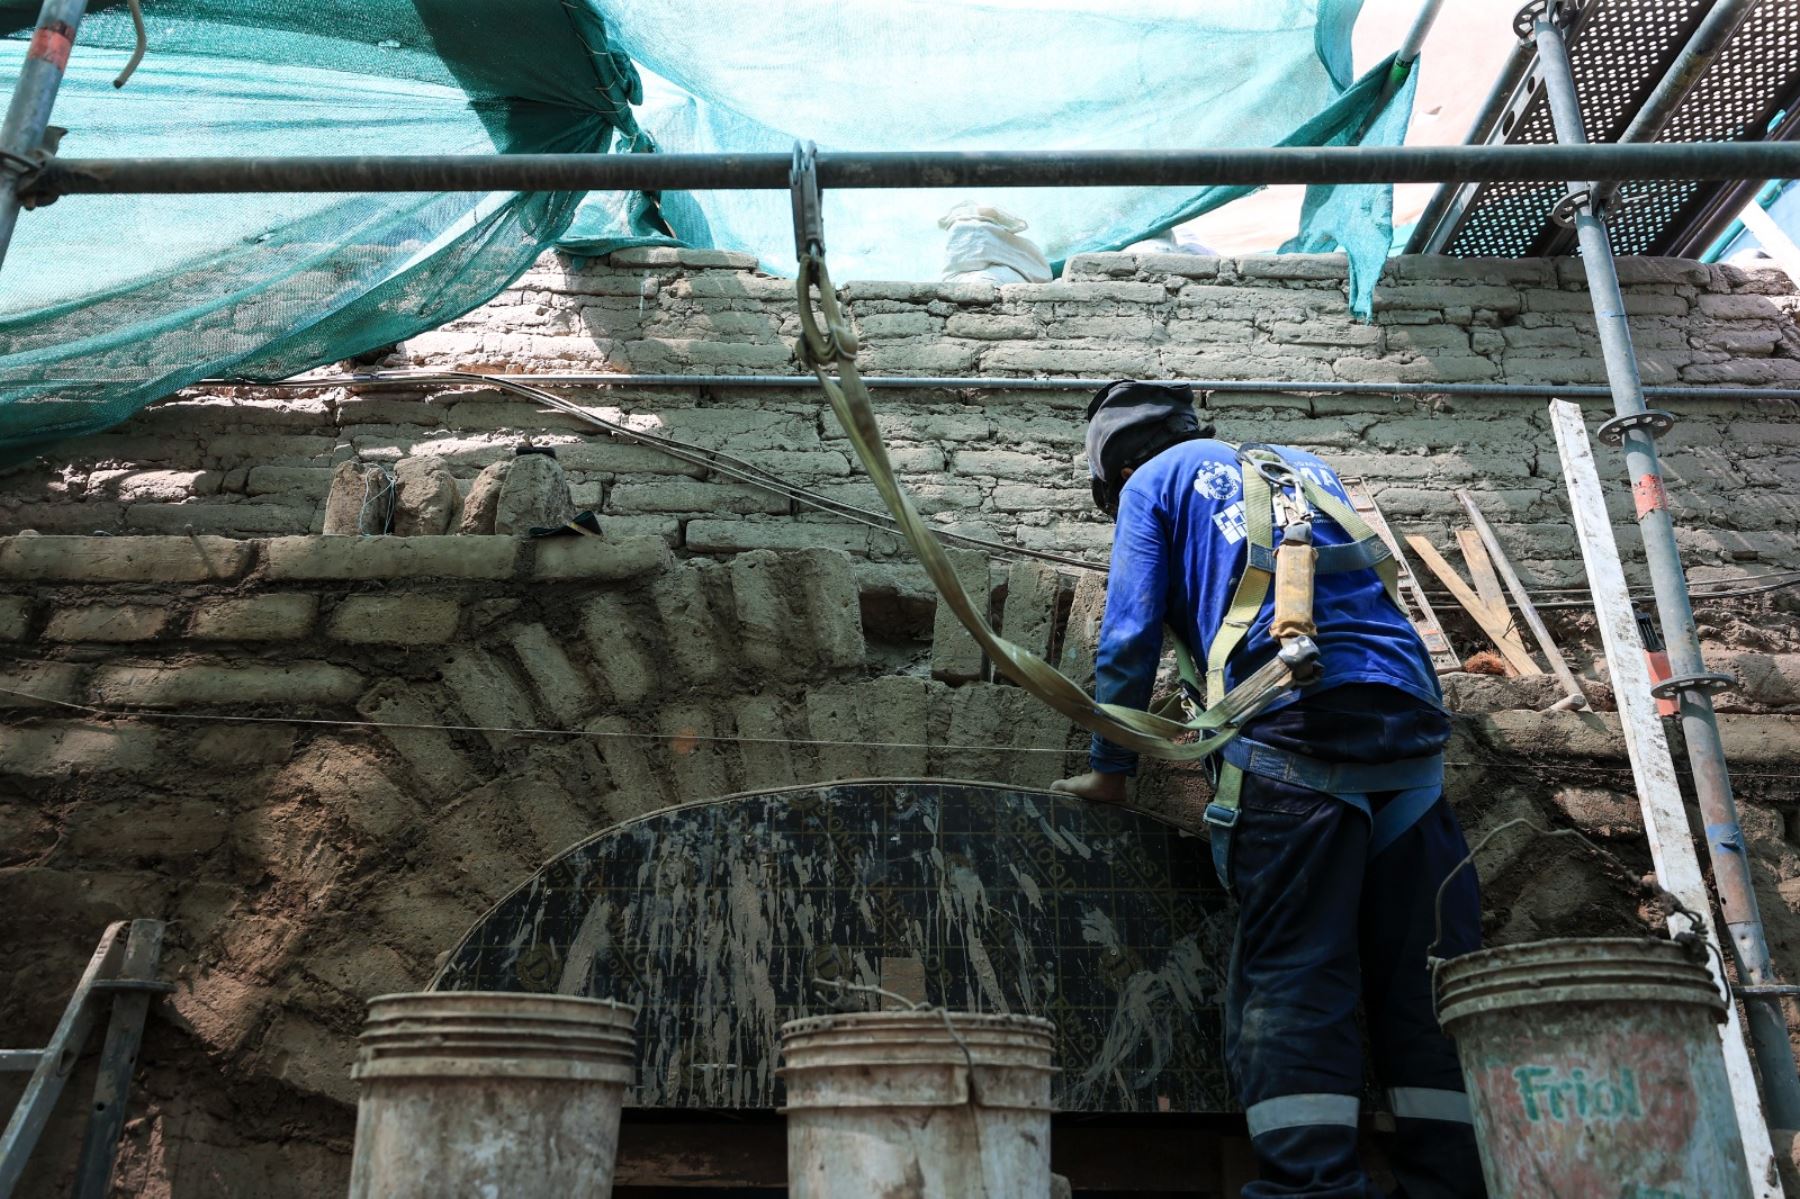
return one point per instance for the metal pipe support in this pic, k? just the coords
(1706, 753)
(1054, 383)
(34, 95)
(974, 169)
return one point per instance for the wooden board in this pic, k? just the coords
(1496, 624)
(1666, 826)
(717, 918)
(1418, 608)
(1196, 1157)
(1481, 570)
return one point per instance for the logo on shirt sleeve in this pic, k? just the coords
(1230, 522)
(1218, 481)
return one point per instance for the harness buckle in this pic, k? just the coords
(1300, 654)
(1287, 490)
(803, 183)
(1219, 816)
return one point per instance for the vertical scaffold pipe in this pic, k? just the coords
(1637, 426)
(34, 94)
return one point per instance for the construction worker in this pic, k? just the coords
(1328, 824)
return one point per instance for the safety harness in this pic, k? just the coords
(1274, 488)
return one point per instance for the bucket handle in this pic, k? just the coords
(1689, 939)
(972, 1096)
(922, 1006)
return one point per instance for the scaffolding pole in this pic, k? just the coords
(34, 94)
(1635, 427)
(1513, 391)
(907, 169)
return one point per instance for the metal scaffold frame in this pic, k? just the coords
(31, 175)
(1634, 429)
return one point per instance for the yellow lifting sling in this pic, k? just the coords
(827, 341)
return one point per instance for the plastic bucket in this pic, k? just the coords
(1593, 1068)
(891, 1104)
(469, 1093)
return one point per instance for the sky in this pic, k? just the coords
(1468, 45)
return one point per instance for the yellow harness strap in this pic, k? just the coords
(1253, 585)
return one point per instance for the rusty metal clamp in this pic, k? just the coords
(28, 168)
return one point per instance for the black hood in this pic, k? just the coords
(1130, 422)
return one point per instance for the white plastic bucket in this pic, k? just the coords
(469, 1093)
(908, 1106)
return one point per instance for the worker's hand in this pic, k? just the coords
(1101, 788)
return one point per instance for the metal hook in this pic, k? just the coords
(143, 43)
(803, 181)
(1280, 474)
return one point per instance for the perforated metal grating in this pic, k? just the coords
(1620, 50)
(1745, 90)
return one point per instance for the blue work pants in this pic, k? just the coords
(1320, 927)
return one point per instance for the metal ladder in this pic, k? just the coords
(122, 972)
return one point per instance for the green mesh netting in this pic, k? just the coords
(995, 75)
(110, 302)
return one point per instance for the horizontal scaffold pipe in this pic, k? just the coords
(1572, 391)
(986, 168)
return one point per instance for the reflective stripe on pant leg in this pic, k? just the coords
(1429, 1103)
(1432, 1150)
(1301, 1111)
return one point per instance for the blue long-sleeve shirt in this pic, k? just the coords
(1178, 550)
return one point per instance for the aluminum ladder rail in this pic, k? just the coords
(122, 970)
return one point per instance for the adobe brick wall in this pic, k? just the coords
(309, 866)
(1000, 463)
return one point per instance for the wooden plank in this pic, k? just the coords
(1774, 239)
(1419, 610)
(35, 1105)
(702, 1153)
(1160, 1154)
(1574, 696)
(1497, 625)
(1666, 827)
(1481, 570)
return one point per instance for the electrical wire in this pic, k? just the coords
(751, 475)
(747, 473)
(595, 734)
(1729, 591)
(98, 713)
